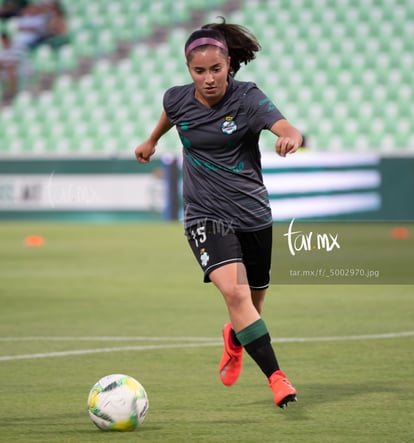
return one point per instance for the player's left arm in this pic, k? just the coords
(289, 138)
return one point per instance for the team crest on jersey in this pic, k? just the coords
(229, 126)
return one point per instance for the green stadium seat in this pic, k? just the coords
(67, 59)
(84, 43)
(342, 71)
(44, 60)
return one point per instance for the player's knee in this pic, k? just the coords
(235, 295)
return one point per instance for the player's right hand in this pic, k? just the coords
(144, 151)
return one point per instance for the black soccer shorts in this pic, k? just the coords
(215, 244)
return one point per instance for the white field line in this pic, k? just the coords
(102, 350)
(200, 342)
(107, 338)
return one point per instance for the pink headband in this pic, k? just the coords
(204, 41)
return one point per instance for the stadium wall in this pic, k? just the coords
(83, 189)
(345, 186)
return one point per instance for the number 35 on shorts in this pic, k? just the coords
(199, 235)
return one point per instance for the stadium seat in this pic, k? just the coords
(340, 71)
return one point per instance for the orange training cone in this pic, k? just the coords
(400, 232)
(34, 240)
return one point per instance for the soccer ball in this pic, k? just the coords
(117, 402)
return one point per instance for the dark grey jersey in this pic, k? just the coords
(222, 176)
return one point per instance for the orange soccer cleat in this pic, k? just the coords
(231, 360)
(283, 391)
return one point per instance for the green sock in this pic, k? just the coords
(254, 331)
(257, 343)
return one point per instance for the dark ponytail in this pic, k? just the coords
(241, 43)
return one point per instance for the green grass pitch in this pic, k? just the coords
(100, 299)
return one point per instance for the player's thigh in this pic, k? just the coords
(214, 248)
(231, 280)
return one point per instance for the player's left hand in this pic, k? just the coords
(288, 145)
(290, 139)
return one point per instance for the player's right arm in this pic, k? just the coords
(145, 150)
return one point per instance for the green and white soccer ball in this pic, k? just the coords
(117, 402)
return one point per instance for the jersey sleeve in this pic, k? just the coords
(173, 102)
(168, 105)
(262, 112)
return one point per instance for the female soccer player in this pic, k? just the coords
(228, 220)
